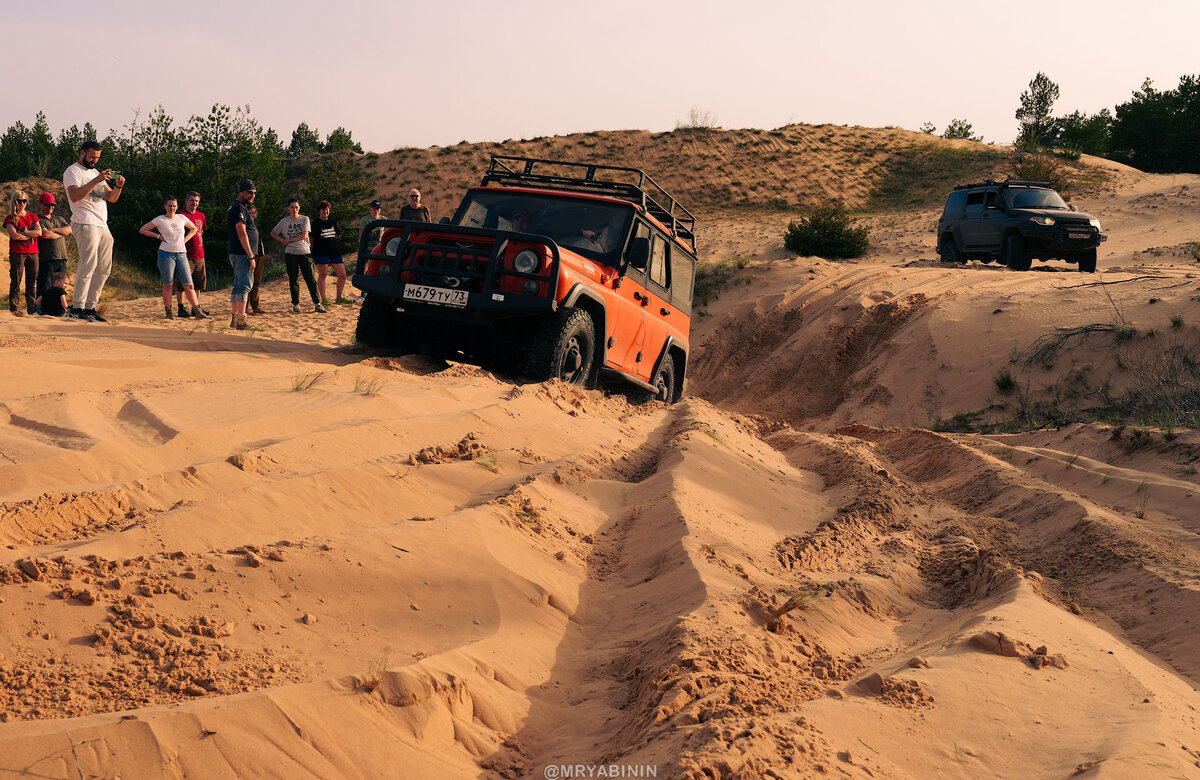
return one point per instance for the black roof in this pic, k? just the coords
(1005, 183)
(630, 184)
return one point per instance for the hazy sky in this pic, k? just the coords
(436, 73)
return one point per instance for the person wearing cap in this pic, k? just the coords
(23, 228)
(89, 193)
(243, 241)
(52, 245)
(195, 254)
(415, 210)
(375, 212)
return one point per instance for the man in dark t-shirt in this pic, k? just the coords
(415, 209)
(52, 245)
(242, 233)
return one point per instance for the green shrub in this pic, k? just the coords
(1038, 167)
(1005, 382)
(827, 231)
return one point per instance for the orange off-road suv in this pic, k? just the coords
(548, 269)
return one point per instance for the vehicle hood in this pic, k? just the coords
(1055, 214)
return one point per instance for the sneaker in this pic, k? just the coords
(199, 313)
(79, 314)
(95, 315)
(170, 315)
(295, 308)
(183, 312)
(257, 310)
(360, 298)
(320, 309)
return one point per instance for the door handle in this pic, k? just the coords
(645, 299)
(664, 311)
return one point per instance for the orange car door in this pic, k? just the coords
(656, 306)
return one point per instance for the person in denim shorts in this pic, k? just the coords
(173, 230)
(327, 253)
(243, 240)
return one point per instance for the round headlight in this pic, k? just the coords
(531, 287)
(525, 261)
(392, 246)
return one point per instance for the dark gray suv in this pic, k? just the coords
(1016, 221)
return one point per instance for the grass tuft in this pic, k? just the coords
(302, 382)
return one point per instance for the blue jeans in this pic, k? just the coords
(241, 278)
(172, 266)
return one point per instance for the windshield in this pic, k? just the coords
(593, 229)
(1035, 199)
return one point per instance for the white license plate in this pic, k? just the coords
(1079, 235)
(440, 296)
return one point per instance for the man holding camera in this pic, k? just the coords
(90, 193)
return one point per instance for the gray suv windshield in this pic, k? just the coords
(1035, 199)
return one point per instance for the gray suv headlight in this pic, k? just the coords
(1094, 223)
(1043, 221)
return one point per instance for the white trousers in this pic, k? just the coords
(95, 245)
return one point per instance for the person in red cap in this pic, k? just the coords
(52, 245)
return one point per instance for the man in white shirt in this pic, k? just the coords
(89, 194)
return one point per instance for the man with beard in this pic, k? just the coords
(242, 232)
(90, 193)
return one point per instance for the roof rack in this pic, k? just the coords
(1005, 183)
(629, 184)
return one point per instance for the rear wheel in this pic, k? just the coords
(950, 252)
(564, 348)
(664, 381)
(1015, 256)
(1087, 261)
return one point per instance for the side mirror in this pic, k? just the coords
(639, 253)
(444, 221)
(1073, 207)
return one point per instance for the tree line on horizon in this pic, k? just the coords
(1154, 131)
(208, 154)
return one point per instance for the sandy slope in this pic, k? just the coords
(415, 570)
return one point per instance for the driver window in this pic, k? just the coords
(974, 204)
(992, 200)
(641, 230)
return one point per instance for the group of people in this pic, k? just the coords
(38, 251)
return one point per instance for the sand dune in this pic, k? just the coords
(420, 570)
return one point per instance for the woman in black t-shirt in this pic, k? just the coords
(327, 251)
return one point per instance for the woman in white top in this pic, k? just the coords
(174, 230)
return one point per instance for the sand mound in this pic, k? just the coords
(271, 553)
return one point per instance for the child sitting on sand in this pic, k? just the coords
(53, 300)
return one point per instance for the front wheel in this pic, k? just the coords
(564, 348)
(1087, 262)
(375, 323)
(1015, 256)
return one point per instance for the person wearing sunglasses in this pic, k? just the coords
(414, 209)
(24, 229)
